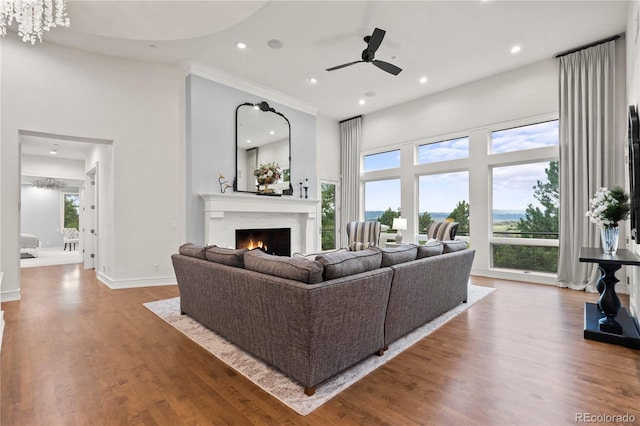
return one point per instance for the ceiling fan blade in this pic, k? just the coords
(376, 39)
(386, 66)
(343, 65)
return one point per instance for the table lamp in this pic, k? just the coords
(399, 224)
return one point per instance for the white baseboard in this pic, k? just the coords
(534, 278)
(10, 296)
(528, 277)
(135, 282)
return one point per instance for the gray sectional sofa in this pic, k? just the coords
(312, 317)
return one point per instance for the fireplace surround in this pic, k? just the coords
(225, 213)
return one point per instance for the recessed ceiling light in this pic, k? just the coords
(271, 132)
(241, 45)
(53, 150)
(362, 102)
(312, 80)
(515, 49)
(423, 80)
(274, 43)
(248, 140)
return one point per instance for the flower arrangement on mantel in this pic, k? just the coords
(267, 174)
(608, 207)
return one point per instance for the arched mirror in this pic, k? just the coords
(262, 141)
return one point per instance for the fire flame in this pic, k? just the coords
(259, 244)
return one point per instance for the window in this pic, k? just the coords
(328, 225)
(525, 137)
(525, 206)
(382, 161)
(382, 200)
(442, 151)
(442, 197)
(71, 210)
(526, 200)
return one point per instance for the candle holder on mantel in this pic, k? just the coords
(306, 188)
(300, 189)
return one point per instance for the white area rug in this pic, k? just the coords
(52, 256)
(277, 384)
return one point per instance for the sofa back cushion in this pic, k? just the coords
(345, 263)
(227, 256)
(456, 245)
(292, 268)
(395, 255)
(433, 248)
(193, 250)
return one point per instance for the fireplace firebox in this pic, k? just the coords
(271, 240)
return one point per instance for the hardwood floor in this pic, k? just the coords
(77, 353)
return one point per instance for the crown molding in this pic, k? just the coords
(215, 74)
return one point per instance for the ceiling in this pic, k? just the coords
(449, 42)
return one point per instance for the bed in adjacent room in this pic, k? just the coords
(29, 245)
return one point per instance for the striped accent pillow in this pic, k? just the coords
(442, 231)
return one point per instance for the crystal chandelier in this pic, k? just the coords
(48, 183)
(33, 17)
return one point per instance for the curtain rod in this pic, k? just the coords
(347, 119)
(586, 46)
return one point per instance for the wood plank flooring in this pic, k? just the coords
(77, 353)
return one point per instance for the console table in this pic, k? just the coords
(606, 321)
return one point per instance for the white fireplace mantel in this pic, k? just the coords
(224, 213)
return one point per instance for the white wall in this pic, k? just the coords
(59, 168)
(513, 95)
(327, 148)
(58, 90)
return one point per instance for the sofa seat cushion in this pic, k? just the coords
(455, 245)
(432, 248)
(395, 255)
(193, 250)
(345, 263)
(293, 268)
(227, 256)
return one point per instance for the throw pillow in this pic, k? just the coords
(292, 268)
(227, 256)
(430, 249)
(402, 254)
(342, 264)
(455, 245)
(193, 250)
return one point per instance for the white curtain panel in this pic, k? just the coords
(350, 135)
(586, 160)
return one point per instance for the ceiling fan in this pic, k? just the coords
(368, 55)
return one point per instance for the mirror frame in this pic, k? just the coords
(264, 107)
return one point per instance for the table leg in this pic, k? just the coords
(609, 302)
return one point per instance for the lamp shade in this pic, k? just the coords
(399, 224)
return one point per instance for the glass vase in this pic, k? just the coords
(609, 236)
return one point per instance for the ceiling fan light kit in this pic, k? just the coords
(369, 54)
